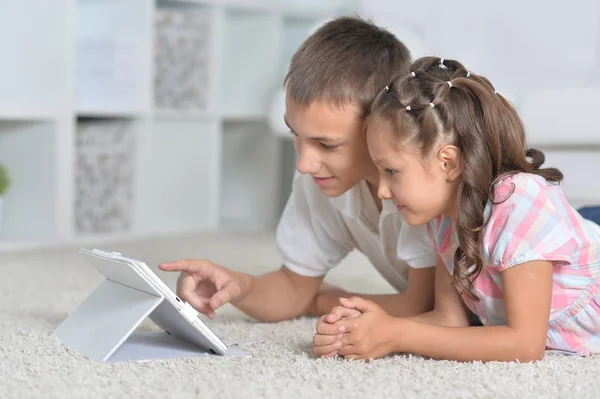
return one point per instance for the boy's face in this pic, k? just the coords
(331, 145)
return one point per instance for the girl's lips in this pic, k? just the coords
(400, 207)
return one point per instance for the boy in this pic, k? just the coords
(334, 208)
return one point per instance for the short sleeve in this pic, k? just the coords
(525, 225)
(311, 234)
(415, 247)
(432, 228)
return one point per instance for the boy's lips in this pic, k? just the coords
(323, 181)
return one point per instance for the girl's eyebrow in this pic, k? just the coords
(381, 161)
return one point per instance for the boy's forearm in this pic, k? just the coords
(323, 302)
(397, 305)
(402, 304)
(442, 319)
(273, 297)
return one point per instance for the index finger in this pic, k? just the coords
(185, 265)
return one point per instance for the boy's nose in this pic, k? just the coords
(307, 164)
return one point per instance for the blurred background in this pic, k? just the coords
(132, 118)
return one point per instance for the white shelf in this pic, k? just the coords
(316, 10)
(8, 244)
(35, 72)
(118, 123)
(9, 113)
(239, 5)
(250, 153)
(184, 114)
(321, 12)
(244, 116)
(112, 56)
(184, 59)
(178, 187)
(104, 174)
(110, 114)
(251, 62)
(28, 151)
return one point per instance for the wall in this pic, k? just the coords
(546, 61)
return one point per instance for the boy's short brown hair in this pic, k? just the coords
(347, 60)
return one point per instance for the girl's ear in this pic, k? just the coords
(450, 162)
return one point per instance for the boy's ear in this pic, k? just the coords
(449, 158)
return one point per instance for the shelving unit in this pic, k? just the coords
(250, 175)
(30, 203)
(35, 95)
(112, 50)
(134, 118)
(250, 61)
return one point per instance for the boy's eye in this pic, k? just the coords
(389, 171)
(329, 147)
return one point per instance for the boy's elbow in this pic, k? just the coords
(424, 306)
(420, 303)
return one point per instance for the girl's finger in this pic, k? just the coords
(326, 349)
(320, 339)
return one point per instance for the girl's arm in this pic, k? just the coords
(449, 309)
(443, 334)
(527, 298)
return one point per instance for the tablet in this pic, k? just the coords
(173, 315)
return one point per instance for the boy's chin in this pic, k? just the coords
(335, 189)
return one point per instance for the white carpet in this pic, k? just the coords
(38, 289)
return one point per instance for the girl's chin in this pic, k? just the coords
(415, 219)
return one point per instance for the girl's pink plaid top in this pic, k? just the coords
(535, 222)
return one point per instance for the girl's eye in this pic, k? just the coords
(329, 147)
(390, 171)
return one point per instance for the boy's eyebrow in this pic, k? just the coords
(315, 138)
(286, 123)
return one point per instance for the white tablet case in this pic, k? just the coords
(103, 326)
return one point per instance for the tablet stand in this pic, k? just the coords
(103, 327)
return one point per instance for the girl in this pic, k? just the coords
(452, 154)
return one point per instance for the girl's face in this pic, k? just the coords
(417, 186)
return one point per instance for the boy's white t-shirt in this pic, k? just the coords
(316, 232)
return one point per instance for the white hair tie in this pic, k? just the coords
(408, 108)
(413, 74)
(432, 105)
(450, 84)
(468, 74)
